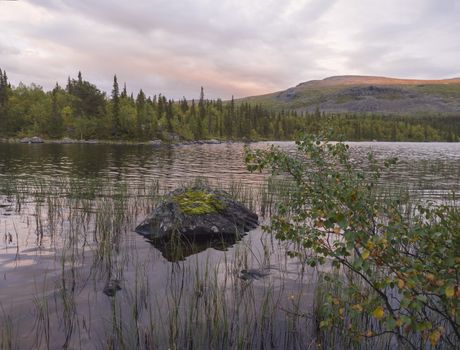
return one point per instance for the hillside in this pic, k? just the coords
(363, 94)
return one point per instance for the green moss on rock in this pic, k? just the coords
(195, 202)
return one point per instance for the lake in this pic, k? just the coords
(74, 274)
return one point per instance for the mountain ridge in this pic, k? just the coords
(376, 80)
(368, 94)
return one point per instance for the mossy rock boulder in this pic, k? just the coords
(198, 212)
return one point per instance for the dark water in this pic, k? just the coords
(169, 165)
(63, 284)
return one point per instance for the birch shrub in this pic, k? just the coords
(397, 269)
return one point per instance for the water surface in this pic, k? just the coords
(59, 251)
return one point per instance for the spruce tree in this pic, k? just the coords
(141, 117)
(4, 92)
(169, 115)
(69, 86)
(201, 106)
(116, 124)
(184, 105)
(201, 114)
(124, 93)
(195, 123)
(55, 129)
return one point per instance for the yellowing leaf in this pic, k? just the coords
(357, 307)
(319, 223)
(450, 291)
(341, 311)
(401, 283)
(378, 313)
(434, 337)
(365, 254)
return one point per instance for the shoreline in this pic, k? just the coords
(67, 141)
(158, 142)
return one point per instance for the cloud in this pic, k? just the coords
(229, 47)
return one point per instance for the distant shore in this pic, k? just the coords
(157, 142)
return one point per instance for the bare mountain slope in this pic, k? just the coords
(363, 94)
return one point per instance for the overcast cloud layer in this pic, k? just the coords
(237, 47)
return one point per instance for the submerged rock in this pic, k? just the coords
(253, 274)
(111, 287)
(198, 212)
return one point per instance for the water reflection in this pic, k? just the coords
(136, 163)
(178, 248)
(431, 167)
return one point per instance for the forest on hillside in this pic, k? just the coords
(80, 110)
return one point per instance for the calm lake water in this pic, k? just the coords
(75, 275)
(427, 167)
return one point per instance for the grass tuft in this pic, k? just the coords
(195, 202)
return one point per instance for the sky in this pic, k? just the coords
(239, 47)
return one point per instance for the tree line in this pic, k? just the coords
(80, 110)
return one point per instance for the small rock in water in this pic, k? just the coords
(156, 142)
(111, 288)
(67, 140)
(192, 219)
(198, 212)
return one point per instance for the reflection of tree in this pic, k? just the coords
(30, 160)
(85, 160)
(166, 161)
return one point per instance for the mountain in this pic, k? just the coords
(365, 94)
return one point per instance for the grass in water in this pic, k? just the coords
(195, 202)
(201, 302)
